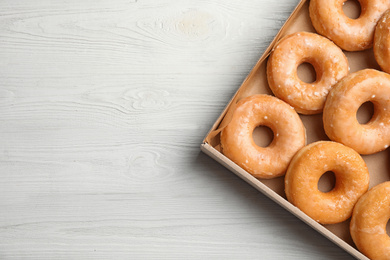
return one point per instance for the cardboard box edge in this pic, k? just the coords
(217, 156)
(227, 163)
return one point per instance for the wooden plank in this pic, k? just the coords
(103, 105)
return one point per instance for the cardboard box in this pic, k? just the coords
(256, 83)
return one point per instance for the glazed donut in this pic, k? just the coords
(382, 42)
(328, 19)
(328, 60)
(368, 222)
(343, 102)
(263, 110)
(305, 170)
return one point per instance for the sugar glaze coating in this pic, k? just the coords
(329, 20)
(305, 171)
(382, 42)
(343, 102)
(263, 110)
(368, 223)
(328, 60)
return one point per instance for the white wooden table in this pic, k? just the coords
(103, 106)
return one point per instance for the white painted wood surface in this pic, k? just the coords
(103, 106)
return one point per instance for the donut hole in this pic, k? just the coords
(388, 228)
(306, 72)
(263, 136)
(352, 9)
(327, 182)
(365, 113)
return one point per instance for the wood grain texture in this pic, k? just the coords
(103, 106)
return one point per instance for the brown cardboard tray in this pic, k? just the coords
(256, 83)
